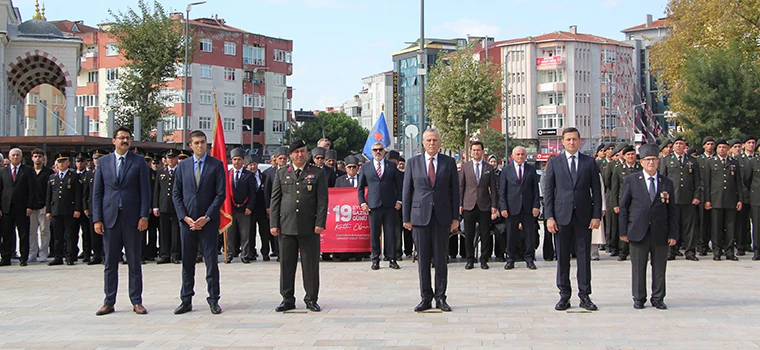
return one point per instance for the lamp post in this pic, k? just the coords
(185, 121)
(421, 71)
(284, 111)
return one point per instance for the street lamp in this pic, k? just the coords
(187, 70)
(284, 110)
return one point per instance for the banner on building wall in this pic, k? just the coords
(545, 61)
(347, 228)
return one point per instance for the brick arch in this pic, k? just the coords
(38, 67)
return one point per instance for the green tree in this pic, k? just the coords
(495, 142)
(153, 45)
(460, 87)
(345, 133)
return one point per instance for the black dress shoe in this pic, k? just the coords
(703, 252)
(266, 258)
(422, 306)
(469, 266)
(756, 257)
(7, 262)
(740, 252)
(442, 305)
(81, 255)
(510, 265)
(313, 306)
(86, 258)
(692, 257)
(215, 308)
(484, 265)
(622, 257)
(638, 305)
(614, 253)
(562, 305)
(71, 262)
(183, 308)
(56, 261)
(176, 261)
(284, 307)
(376, 265)
(659, 305)
(163, 261)
(394, 265)
(671, 257)
(732, 258)
(716, 258)
(23, 263)
(531, 265)
(587, 304)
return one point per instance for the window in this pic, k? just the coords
(179, 70)
(206, 45)
(87, 101)
(253, 55)
(59, 99)
(189, 96)
(551, 121)
(278, 103)
(112, 49)
(278, 127)
(258, 101)
(204, 123)
(32, 98)
(92, 77)
(230, 48)
(94, 125)
(282, 56)
(279, 79)
(247, 100)
(228, 124)
(179, 122)
(229, 74)
(112, 100)
(205, 98)
(229, 98)
(112, 74)
(206, 71)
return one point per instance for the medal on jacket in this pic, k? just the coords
(308, 187)
(665, 197)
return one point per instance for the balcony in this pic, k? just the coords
(548, 87)
(551, 109)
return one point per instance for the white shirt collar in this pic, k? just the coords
(568, 155)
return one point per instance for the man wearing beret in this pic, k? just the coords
(705, 217)
(244, 188)
(648, 221)
(280, 159)
(611, 222)
(619, 173)
(723, 199)
(83, 222)
(163, 208)
(666, 148)
(96, 239)
(318, 156)
(64, 206)
(751, 179)
(743, 233)
(298, 214)
(683, 170)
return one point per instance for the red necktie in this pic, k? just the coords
(519, 173)
(14, 173)
(379, 170)
(431, 172)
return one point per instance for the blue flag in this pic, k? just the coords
(379, 133)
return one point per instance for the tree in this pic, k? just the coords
(464, 88)
(153, 45)
(495, 142)
(345, 134)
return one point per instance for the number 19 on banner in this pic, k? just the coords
(343, 213)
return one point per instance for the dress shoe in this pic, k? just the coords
(215, 308)
(703, 252)
(659, 305)
(678, 253)
(56, 261)
(716, 258)
(71, 262)
(422, 306)
(638, 305)
(614, 253)
(484, 265)
(198, 259)
(104, 310)
(23, 263)
(531, 265)
(376, 265)
(266, 258)
(176, 261)
(86, 259)
(622, 257)
(587, 304)
(228, 261)
(163, 261)
(81, 255)
(284, 307)
(183, 308)
(510, 265)
(740, 252)
(139, 309)
(442, 305)
(671, 257)
(469, 266)
(562, 305)
(692, 257)
(756, 257)
(732, 258)
(245, 260)
(313, 306)
(548, 259)
(394, 265)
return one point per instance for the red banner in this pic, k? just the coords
(347, 228)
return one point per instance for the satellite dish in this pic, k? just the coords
(412, 131)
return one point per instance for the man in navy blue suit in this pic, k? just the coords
(244, 188)
(649, 222)
(198, 194)
(431, 212)
(573, 206)
(520, 205)
(120, 207)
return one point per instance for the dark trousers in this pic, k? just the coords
(687, 218)
(383, 220)
(743, 238)
(83, 223)
(578, 234)
(483, 220)
(208, 241)
(705, 227)
(239, 237)
(66, 237)
(548, 243)
(169, 236)
(150, 238)
(499, 229)
(456, 242)
(13, 223)
(723, 229)
(640, 254)
(404, 240)
(122, 235)
(269, 243)
(611, 231)
(526, 238)
(432, 246)
(755, 229)
(309, 246)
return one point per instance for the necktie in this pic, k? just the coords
(477, 172)
(237, 177)
(519, 173)
(680, 160)
(353, 184)
(14, 173)
(60, 175)
(171, 172)
(379, 170)
(298, 173)
(431, 172)
(198, 172)
(118, 166)
(724, 161)
(573, 170)
(652, 192)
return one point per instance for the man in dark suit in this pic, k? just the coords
(723, 198)
(120, 208)
(351, 178)
(620, 171)
(298, 215)
(520, 205)
(648, 220)
(64, 205)
(244, 188)
(198, 194)
(431, 211)
(573, 207)
(477, 204)
(743, 232)
(23, 196)
(331, 158)
(280, 161)
(83, 222)
(96, 240)
(752, 183)
(383, 200)
(163, 208)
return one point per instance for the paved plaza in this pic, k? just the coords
(713, 305)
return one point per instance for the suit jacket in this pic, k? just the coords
(259, 206)
(381, 192)
(40, 184)
(298, 204)
(162, 191)
(244, 193)
(132, 191)
(639, 215)
(343, 181)
(562, 196)
(419, 196)
(724, 189)
(686, 177)
(204, 199)
(619, 173)
(515, 196)
(6, 189)
(24, 189)
(751, 179)
(483, 193)
(64, 196)
(269, 176)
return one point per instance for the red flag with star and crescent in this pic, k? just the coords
(219, 151)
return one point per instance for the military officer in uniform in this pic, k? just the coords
(64, 205)
(83, 222)
(752, 183)
(705, 222)
(96, 240)
(298, 214)
(611, 224)
(163, 208)
(743, 234)
(723, 199)
(684, 171)
(628, 166)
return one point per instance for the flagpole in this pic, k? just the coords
(217, 121)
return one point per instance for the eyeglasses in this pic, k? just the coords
(650, 160)
(378, 149)
(351, 166)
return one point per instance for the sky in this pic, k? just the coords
(338, 42)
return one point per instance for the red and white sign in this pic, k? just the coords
(545, 61)
(347, 228)
(543, 157)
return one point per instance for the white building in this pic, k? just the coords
(378, 99)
